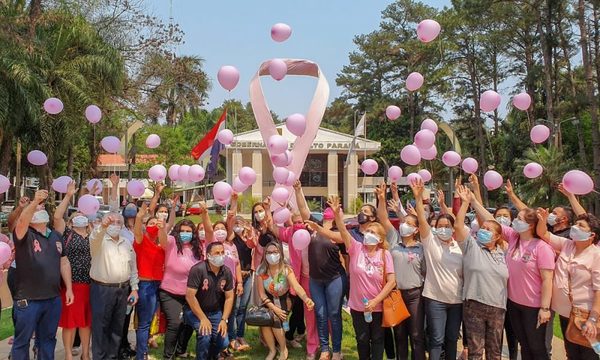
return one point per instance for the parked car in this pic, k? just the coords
(193, 209)
(317, 216)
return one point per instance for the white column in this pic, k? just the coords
(257, 188)
(332, 173)
(236, 163)
(351, 182)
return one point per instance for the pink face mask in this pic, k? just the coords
(297, 227)
(328, 214)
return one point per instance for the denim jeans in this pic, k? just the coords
(207, 347)
(327, 297)
(231, 323)
(444, 322)
(242, 305)
(146, 307)
(42, 317)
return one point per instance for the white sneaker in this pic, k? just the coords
(76, 351)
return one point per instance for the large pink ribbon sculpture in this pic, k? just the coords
(263, 117)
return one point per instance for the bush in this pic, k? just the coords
(355, 206)
(245, 202)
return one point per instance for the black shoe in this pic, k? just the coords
(127, 353)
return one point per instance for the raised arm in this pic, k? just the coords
(520, 205)
(17, 210)
(556, 242)
(27, 214)
(59, 213)
(482, 212)
(394, 191)
(138, 228)
(382, 211)
(157, 191)
(460, 231)
(113, 198)
(301, 200)
(417, 189)
(442, 202)
(334, 203)
(172, 213)
(575, 204)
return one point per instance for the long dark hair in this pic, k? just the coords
(255, 222)
(196, 250)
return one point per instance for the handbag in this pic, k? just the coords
(577, 319)
(259, 316)
(394, 309)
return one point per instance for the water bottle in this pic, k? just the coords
(130, 305)
(286, 326)
(368, 315)
(596, 346)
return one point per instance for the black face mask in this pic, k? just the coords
(362, 218)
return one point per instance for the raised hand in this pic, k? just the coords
(564, 191)
(297, 185)
(417, 188)
(24, 201)
(464, 193)
(393, 205)
(440, 197)
(114, 179)
(380, 191)
(143, 211)
(474, 180)
(334, 203)
(160, 187)
(40, 196)
(508, 187)
(542, 214)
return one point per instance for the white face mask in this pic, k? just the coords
(114, 230)
(273, 259)
(238, 229)
(201, 234)
(217, 260)
(40, 217)
(80, 221)
(503, 220)
(551, 219)
(577, 234)
(407, 230)
(220, 235)
(371, 239)
(260, 216)
(443, 234)
(162, 216)
(520, 226)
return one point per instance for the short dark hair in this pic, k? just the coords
(373, 210)
(568, 212)
(594, 224)
(447, 217)
(212, 245)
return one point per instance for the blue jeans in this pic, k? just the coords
(327, 297)
(207, 347)
(42, 317)
(443, 321)
(242, 305)
(231, 323)
(146, 307)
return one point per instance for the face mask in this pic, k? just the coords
(362, 218)
(297, 227)
(371, 239)
(551, 219)
(484, 236)
(273, 259)
(130, 212)
(113, 230)
(152, 230)
(520, 226)
(201, 234)
(40, 217)
(80, 221)
(217, 260)
(443, 234)
(185, 237)
(238, 229)
(503, 220)
(260, 216)
(407, 230)
(220, 235)
(577, 234)
(162, 216)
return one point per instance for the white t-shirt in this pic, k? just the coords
(444, 278)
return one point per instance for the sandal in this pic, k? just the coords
(337, 356)
(234, 345)
(324, 356)
(243, 345)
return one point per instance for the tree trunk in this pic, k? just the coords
(530, 77)
(35, 10)
(411, 114)
(593, 102)
(93, 165)
(70, 159)
(5, 152)
(547, 61)
(18, 172)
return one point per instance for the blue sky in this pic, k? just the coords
(238, 33)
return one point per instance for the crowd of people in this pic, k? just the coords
(462, 271)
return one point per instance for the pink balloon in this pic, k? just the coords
(136, 188)
(277, 144)
(247, 175)
(492, 180)
(152, 141)
(60, 184)
(578, 182)
(428, 30)
(489, 101)
(424, 139)
(280, 175)
(296, 124)
(4, 184)
(280, 32)
(532, 170)
(88, 204)
(410, 154)
(174, 172)
(93, 114)
(157, 173)
(430, 125)
(228, 76)
(53, 106)
(291, 179)
(522, 101)
(392, 112)
(184, 173)
(283, 159)
(424, 174)
(225, 136)
(277, 69)
(301, 239)
(196, 173)
(428, 154)
(413, 177)
(539, 134)
(369, 166)
(395, 173)
(470, 165)
(281, 215)
(222, 191)
(238, 186)
(90, 186)
(5, 252)
(36, 157)
(111, 144)
(414, 81)
(451, 158)
(280, 195)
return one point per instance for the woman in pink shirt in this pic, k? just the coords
(576, 285)
(530, 264)
(181, 253)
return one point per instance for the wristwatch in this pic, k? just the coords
(226, 321)
(545, 309)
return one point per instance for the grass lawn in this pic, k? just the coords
(6, 326)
